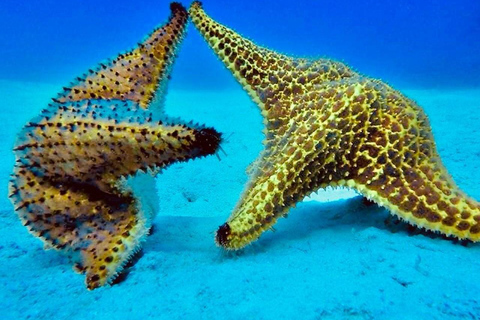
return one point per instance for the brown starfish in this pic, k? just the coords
(71, 181)
(327, 125)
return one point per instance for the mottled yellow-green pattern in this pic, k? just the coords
(69, 181)
(327, 125)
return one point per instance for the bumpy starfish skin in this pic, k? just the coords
(69, 185)
(329, 126)
(136, 75)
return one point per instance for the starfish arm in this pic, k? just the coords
(272, 80)
(99, 231)
(272, 191)
(297, 163)
(98, 142)
(139, 75)
(398, 166)
(374, 140)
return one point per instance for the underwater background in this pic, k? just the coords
(329, 259)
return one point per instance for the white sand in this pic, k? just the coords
(334, 260)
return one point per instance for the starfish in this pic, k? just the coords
(327, 125)
(74, 163)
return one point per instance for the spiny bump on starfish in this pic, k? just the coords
(70, 185)
(327, 125)
(139, 75)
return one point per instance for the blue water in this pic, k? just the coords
(328, 260)
(426, 43)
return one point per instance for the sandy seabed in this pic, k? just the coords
(328, 260)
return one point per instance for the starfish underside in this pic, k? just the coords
(70, 182)
(327, 125)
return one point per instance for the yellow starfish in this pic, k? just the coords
(70, 185)
(327, 125)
